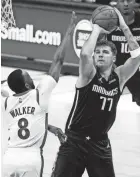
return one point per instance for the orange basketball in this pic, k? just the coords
(105, 17)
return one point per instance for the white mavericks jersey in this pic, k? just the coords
(28, 115)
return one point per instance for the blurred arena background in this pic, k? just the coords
(40, 26)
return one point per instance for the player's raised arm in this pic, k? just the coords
(87, 69)
(127, 70)
(48, 83)
(60, 52)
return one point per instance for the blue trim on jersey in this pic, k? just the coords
(5, 105)
(72, 110)
(37, 95)
(42, 163)
(45, 134)
(42, 145)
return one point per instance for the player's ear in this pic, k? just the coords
(27, 86)
(114, 59)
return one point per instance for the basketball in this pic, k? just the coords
(105, 17)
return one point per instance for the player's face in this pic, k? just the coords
(125, 6)
(28, 80)
(103, 57)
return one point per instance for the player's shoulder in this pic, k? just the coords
(46, 83)
(21, 96)
(3, 100)
(137, 14)
(50, 78)
(137, 18)
(47, 79)
(117, 71)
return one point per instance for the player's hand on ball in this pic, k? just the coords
(100, 29)
(105, 17)
(121, 19)
(72, 22)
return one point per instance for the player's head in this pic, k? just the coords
(126, 7)
(20, 81)
(105, 54)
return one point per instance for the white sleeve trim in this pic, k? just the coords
(45, 87)
(135, 53)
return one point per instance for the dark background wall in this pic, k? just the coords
(52, 16)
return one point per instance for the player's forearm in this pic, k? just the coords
(132, 43)
(60, 53)
(89, 46)
(59, 57)
(61, 50)
(53, 129)
(50, 128)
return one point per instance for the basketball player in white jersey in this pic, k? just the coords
(27, 112)
(54, 130)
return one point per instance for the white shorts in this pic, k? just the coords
(23, 162)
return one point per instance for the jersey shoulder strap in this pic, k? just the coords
(5, 104)
(37, 95)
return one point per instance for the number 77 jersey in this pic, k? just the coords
(94, 108)
(27, 121)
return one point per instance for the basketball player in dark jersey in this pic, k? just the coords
(132, 19)
(98, 90)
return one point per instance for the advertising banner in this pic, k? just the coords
(40, 31)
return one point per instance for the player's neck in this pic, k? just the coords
(105, 73)
(129, 19)
(22, 93)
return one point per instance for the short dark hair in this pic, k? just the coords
(109, 44)
(16, 81)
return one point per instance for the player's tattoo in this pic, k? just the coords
(133, 44)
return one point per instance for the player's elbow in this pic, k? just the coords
(84, 54)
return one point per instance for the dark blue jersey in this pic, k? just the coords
(94, 108)
(118, 38)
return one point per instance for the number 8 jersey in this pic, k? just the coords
(27, 115)
(94, 108)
